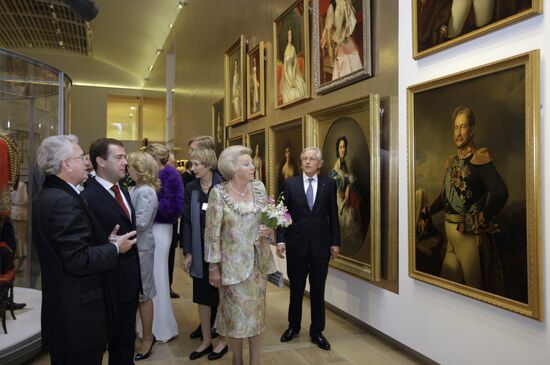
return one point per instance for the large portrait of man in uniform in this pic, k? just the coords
(474, 226)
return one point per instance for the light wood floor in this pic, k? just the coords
(350, 343)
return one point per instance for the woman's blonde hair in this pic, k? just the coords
(160, 152)
(205, 156)
(146, 168)
(227, 163)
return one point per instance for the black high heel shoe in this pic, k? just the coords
(147, 354)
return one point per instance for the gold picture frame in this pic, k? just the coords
(218, 126)
(237, 140)
(490, 195)
(255, 91)
(291, 55)
(286, 142)
(350, 39)
(433, 21)
(235, 95)
(347, 134)
(257, 142)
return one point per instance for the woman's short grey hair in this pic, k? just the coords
(317, 152)
(52, 151)
(227, 163)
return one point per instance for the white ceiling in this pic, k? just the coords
(126, 36)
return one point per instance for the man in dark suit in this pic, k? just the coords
(112, 205)
(74, 251)
(310, 242)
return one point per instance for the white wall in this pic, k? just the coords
(447, 327)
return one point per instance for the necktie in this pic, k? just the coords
(118, 197)
(309, 194)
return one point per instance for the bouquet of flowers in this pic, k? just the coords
(275, 214)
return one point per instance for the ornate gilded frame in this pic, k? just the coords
(233, 141)
(524, 173)
(305, 46)
(258, 134)
(364, 72)
(536, 8)
(237, 49)
(366, 112)
(218, 109)
(260, 49)
(273, 139)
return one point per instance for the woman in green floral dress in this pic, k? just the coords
(237, 248)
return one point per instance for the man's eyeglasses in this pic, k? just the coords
(84, 157)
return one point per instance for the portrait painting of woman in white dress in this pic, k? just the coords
(342, 52)
(293, 85)
(291, 37)
(342, 43)
(236, 90)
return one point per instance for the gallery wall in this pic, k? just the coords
(447, 327)
(200, 83)
(444, 326)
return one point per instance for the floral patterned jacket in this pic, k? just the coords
(231, 237)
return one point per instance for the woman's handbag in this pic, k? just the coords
(277, 278)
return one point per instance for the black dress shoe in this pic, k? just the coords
(174, 295)
(147, 354)
(196, 354)
(218, 355)
(289, 334)
(196, 333)
(16, 306)
(320, 341)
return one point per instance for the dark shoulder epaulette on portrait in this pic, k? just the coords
(481, 157)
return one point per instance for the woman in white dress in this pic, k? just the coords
(293, 85)
(170, 198)
(340, 23)
(255, 87)
(236, 90)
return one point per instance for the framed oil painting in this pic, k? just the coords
(474, 183)
(291, 52)
(255, 66)
(349, 137)
(341, 33)
(218, 126)
(235, 94)
(258, 145)
(286, 142)
(234, 141)
(439, 24)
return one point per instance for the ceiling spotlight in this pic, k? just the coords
(159, 51)
(182, 3)
(171, 26)
(150, 68)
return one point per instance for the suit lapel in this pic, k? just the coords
(109, 199)
(321, 186)
(301, 192)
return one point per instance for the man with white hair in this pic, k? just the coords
(310, 242)
(74, 252)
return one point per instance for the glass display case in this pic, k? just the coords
(33, 105)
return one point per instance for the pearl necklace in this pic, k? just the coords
(238, 192)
